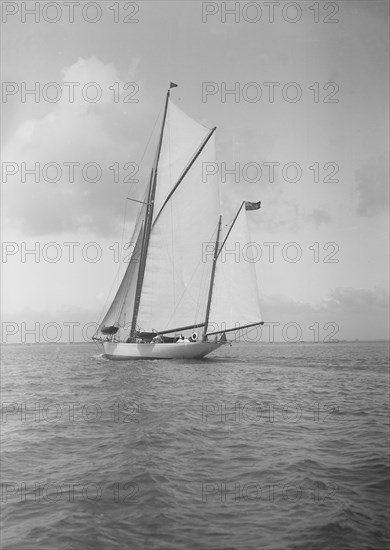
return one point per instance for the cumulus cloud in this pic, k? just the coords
(83, 132)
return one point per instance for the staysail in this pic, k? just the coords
(120, 313)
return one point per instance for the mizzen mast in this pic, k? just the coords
(216, 253)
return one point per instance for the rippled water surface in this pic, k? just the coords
(278, 446)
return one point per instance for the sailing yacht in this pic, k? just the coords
(182, 290)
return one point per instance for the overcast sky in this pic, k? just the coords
(328, 118)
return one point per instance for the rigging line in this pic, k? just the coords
(123, 236)
(197, 313)
(205, 278)
(123, 299)
(231, 227)
(202, 295)
(116, 276)
(148, 142)
(182, 295)
(212, 277)
(173, 263)
(171, 212)
(148, 224)
(139, 164)
(110, 293)
(186, 170)
(105, 304)
(152, 132)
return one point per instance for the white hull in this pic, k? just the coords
(184, 350)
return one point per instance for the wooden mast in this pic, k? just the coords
(204, 337)
(147, 227)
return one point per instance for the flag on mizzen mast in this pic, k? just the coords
(252, 205)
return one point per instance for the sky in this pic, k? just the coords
(303, 91)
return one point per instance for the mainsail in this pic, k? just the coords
(172, 280)
(177, 274)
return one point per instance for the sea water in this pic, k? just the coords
(274, 446)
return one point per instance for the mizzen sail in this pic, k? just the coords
(235, 301)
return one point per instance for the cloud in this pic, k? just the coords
(355, 312)
(104, 133)
(319, 217)
(354, 300)
(372, 187)
(349, 300)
